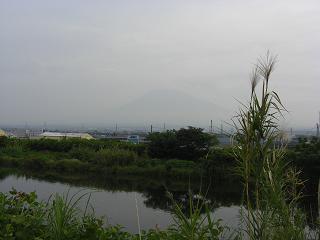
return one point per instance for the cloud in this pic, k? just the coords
(82, 56)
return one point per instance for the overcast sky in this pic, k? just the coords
(81, 61)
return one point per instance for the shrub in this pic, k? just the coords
(4, 141)
(14, 150)
(83, 153)
(175, 163)
(219, 162)
(115, 157)
(22, 217)
(139, 149)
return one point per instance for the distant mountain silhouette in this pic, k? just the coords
(169, 106)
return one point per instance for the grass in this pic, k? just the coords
(194, 225)
(272, 210)
(88, 157)
(63, 215)
(23, 217)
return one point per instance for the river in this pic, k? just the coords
(117, 199)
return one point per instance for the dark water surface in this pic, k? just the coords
(115, 198)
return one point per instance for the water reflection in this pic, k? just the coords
(116, 196)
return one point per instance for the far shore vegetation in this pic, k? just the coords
(183, 154)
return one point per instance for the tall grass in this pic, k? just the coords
(195, 224)
(271, 188)
(63, 215)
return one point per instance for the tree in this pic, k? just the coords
(187, 143)
(163, 145)
(193, 143)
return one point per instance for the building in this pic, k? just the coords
(133, 139)
(58, 135)
(3, 133)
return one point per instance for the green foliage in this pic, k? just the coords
(193, 143)
(162, 145)
(115, 157)
(219, 161)
(194, 225)
(83, 153)
(272, 212)
(175, 163)
(14, 150)
(187, 143)
(306, 155)
(63, 218)
(22, 217)
(69, 144)
(3, 141)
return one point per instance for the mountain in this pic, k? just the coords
(169, 106)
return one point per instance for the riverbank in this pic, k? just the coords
(121, 159)
(24, 217)
(114, 198)
(110, 158)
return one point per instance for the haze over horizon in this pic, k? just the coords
(181, 61)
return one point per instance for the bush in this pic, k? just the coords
(219, 162)
(139, 149)
(115, 157)
(14, 150)
(4, 141)
(175, 163)
(82, 153)
(22, 217)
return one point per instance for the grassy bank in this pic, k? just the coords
(22, 216)
(107, 158)
(82, 156)
(124, 159)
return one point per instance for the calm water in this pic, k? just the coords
(116, 200)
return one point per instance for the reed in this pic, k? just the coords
(271, 188)
(197, 223)
(63, 215)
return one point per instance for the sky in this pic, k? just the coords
(125, 61)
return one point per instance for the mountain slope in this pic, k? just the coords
(169, 106)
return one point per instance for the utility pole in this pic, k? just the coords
(44, 129)
(151, 128)
(211, 127)
(221, 129)
(318, 125)
(317, 130)
(164, 127)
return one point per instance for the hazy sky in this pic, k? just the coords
(82, 61)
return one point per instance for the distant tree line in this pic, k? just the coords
(187, 143)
